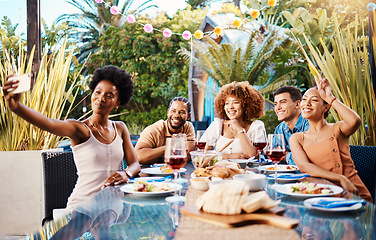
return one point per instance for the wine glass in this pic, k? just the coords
(185, 140)
(200, 144)
(275, 151)
(259, 141)
(175, 158)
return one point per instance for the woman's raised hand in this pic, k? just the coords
(234, 125)
(325, 90)
(11, 100)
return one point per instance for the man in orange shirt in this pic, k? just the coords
(151, 145)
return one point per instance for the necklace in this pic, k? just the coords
(315, 137)
(100, 134)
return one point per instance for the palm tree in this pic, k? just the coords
(93, 20)
(227, 62)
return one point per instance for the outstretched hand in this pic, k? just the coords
(324, 87)
(11, 100)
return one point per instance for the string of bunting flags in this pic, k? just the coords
(186, 35)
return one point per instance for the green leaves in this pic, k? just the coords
(345, 64)
(49, 96)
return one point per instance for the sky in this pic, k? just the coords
(51, 9)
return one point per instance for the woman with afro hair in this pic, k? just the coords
(237, 105)
(98, 144)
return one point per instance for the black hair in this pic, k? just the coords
(295, 92)
(181, 99)
(121, 79)
(326, 114)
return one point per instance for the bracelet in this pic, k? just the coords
(129, 174)
(241, 131)
(330, 104)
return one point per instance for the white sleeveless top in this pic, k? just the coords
(213, 134)
(95, 162)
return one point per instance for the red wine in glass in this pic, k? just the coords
(276, 155)
(201, 145)
(259, 145)
(176, 161)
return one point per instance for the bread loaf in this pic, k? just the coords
(231, 197)
(224, 198)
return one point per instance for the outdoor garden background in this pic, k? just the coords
(283, 35)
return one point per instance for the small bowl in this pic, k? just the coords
(200, 183)
(197, 156)
(242, 162)
(254, 181)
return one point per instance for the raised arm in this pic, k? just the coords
(351, 120)
(68, 128)
(301, 160)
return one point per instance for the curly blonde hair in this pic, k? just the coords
(251, 99)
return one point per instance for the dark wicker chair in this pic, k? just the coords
(364, 158)
(60, 176)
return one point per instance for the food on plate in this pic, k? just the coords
(309, 188)
(222, 169)
(233, 197)
(166, 169)
(282, 168)
(201, 159)
(143, 186)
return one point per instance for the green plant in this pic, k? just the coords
(270, 120)
(229, 62)
(159, 73)
(93, 19)
(345, 64)
(48, 96)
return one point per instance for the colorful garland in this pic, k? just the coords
(186, 35)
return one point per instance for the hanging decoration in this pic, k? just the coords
(186, 35)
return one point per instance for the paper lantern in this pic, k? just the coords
(199, 34)
(272, 3)
(131, 18)
(114, 10)
(187, 35)
(148, 28)
(255, 13)
(98, 1)
(218, 31)
(237, 23)
(167, 32)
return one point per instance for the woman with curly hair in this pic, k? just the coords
(99, 144)
(237, 105)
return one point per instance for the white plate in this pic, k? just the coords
(285, 189)
(129, 188)
(157, 171)
(280, 168)
(308, 203)
(284, 180)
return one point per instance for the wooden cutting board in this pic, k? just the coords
(270, 217)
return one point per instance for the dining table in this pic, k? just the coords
(152, 217)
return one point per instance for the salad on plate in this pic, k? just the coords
(310, 188)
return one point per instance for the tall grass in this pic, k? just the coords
(345, 64)
(48, 96)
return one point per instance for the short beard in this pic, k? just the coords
(175, 127)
